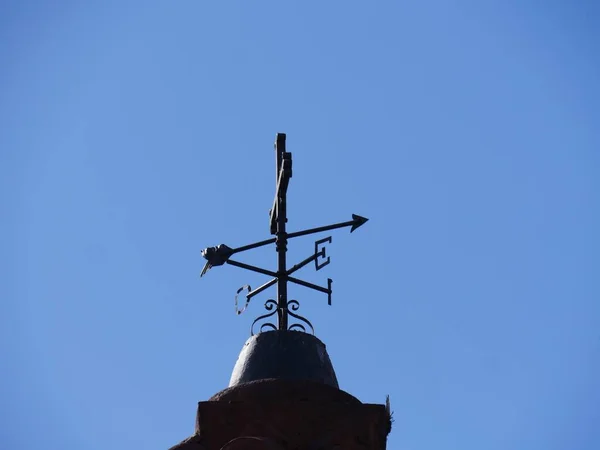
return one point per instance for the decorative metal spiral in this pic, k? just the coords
(292, 305)
(270, 305)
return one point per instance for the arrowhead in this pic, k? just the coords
(358, 221)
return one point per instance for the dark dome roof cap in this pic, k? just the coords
(285, 355)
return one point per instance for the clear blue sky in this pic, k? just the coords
(133, 134)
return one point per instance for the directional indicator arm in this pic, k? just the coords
(255, 245)
(356, 222)
(252, 268)
(326, 290)
(258, 290)
(300, 265)
(217, 256)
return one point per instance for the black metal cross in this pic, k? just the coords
(284, 308)
(278, 221)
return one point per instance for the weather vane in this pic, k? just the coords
(282, 307)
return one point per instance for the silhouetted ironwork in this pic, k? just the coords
(273, 306)
(282, 307)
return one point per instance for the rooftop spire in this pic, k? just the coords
(283, 307)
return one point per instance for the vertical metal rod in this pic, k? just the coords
(281, 237)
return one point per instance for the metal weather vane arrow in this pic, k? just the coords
(221, 254)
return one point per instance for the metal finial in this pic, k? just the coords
(282, 307)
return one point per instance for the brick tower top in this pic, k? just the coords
(284, 395)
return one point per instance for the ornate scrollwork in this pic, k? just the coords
(292, 306)
(270, 305)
